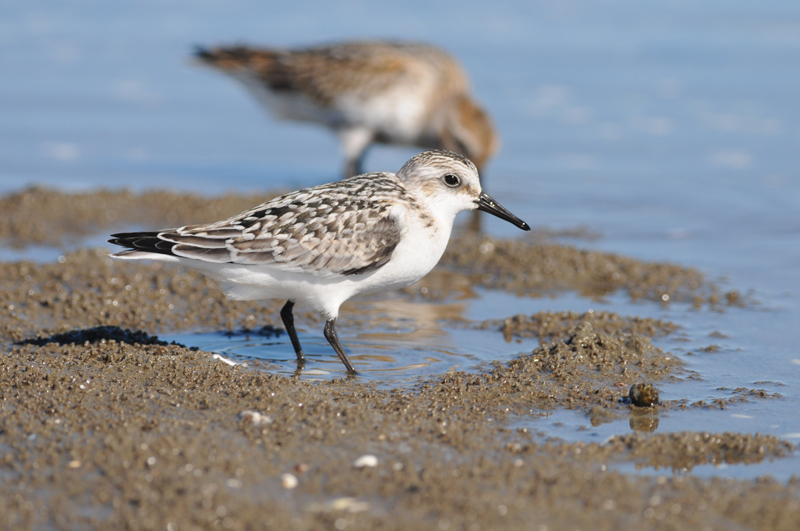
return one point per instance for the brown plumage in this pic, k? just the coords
(367, 92)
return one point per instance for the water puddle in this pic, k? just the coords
(396, 356)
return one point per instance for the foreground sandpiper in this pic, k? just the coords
(367, 92)
(320, 246)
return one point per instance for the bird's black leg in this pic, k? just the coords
(333, 339)
(288, 321)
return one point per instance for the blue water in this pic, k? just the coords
(670, 128)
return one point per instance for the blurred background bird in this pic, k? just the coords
(367, 92)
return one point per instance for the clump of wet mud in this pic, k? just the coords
(685, 450)
(548, 326)
(588, 355)
(583, 368)
(45, 216)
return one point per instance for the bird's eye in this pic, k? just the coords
(451, 180)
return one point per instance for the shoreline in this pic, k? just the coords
(103, 426)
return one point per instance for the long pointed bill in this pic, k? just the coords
(487, 204)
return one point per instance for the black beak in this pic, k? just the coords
(487, 204)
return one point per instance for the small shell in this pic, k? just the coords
(289, 481)
(364, 461)
(643, 395)
(255, 418)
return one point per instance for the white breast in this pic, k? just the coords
(419, 250)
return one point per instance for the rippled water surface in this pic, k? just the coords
(670, 130)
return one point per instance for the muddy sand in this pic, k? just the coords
(104, 426)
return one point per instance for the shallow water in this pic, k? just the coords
(390, 358)
(670, 130)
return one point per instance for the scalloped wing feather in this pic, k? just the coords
(343, 228)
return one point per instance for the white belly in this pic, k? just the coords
(290, 105)
(397, 115)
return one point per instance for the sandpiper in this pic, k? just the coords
(320, 246)
(367, 92)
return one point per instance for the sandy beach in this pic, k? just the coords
(104, 426)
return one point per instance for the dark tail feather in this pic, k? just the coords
(236, 58)
(142, 241)
(203, 53)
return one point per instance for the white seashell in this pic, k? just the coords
(255, 418)
(289, 481)
(367, 460)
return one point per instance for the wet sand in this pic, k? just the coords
(103, 426)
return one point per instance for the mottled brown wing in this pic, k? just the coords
(345, 228)
(321, 73)
(324, 74)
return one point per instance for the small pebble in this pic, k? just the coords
(74, 464)
(289, 481)
(367, 460)
(643, 395)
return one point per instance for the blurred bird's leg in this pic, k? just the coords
(355, 141)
